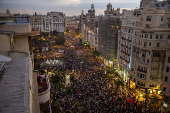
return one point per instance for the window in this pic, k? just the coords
(150, 36)
(145, 44)
(168, 37)
(153, 68)
(146, 35)
(164, 88)
(155, 61)
(147, 60)
(161, 36)
(166, 78)
(156, 54)
(157, 36)
(148, 18)
(148, 52)
(148, 25)
(158, 44)
(169, 59)
(149, 43)
(167, 69)
(162, 18)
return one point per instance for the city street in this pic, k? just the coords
(93, 91)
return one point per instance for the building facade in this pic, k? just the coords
(35, 23)
(108, 34)
(89, 28)
(53, 21)
(16, 43)
(165, 86)
(58, 23)
(147, 35)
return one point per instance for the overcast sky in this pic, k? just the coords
(69, 7)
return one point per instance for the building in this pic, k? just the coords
(19, 89)
(53, 21)
(125, 37)
(35, 21)
(58, 22)
(144, 3)
(89, 28)
(146, 59)
(165, 86)
(72, 24)
(47, 23)
(109, 24)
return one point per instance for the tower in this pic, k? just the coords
(109, 7)
(92, 14)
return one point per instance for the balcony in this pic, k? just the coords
(153, 78)
(43, 88)
(141, 84)
(143, 71)
(152, 85)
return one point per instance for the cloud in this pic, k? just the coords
(69, 7)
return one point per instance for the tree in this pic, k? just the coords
(56, 78)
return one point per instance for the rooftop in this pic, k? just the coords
(14, 96)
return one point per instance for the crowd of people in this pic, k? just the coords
(94, 93)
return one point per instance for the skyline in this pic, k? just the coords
(69, 7)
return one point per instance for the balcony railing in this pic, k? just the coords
(144, 71)
(153, 78)
(152, 85)
(141, 84)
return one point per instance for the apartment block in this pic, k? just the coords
(165, 84)
(147, 34)
(53, 21)
(109, 24)
(35, 21)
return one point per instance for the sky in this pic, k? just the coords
(69, 7)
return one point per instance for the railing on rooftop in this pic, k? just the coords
(14, 20)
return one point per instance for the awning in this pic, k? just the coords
(130, 101)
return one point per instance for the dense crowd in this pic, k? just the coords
(94, 93)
